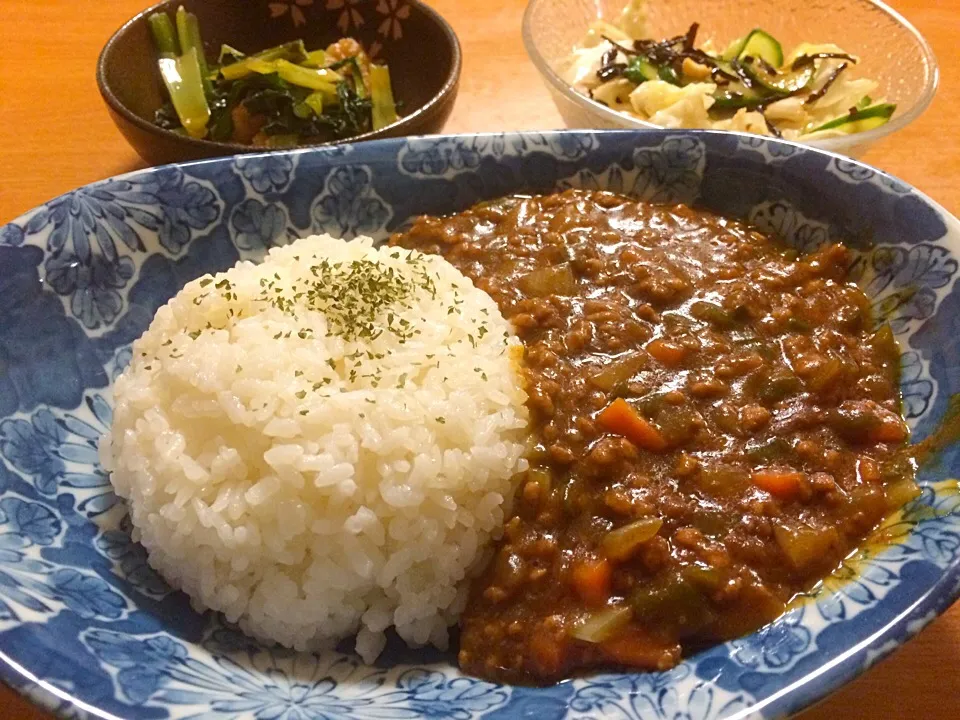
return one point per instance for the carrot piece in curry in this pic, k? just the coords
(546, 653)
(667, 353)
(592, 581)
(889, 430)
(782, 484)
(621, 419)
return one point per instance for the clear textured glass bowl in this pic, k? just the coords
(891, 50)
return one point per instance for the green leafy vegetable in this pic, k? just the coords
(188, 33)
(381, 95)
(278, 97)
(294, 51)
(164, 35)
(184, 82)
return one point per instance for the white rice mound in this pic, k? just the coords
(310, 477)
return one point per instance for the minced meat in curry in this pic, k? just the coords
(716, 425)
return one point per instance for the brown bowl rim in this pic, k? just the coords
(400, 128)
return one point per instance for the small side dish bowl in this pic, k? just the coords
(891, 50)
(418, 45)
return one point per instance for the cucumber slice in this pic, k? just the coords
(860, 120)
(668, 74)
(736, 98)
(640, 70)
(782, 83)
(733, 49)
(762, 45)
(728, 69)
(756, 43)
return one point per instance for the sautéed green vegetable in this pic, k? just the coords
(279, 97)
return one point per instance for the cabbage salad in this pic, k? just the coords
(749, 86)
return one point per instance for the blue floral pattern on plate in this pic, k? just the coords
(780, 218)
(349, 205)
(447, 156)
(227, 675)
(670, 173)
(32, 587)
(83, 275)
(258, 225)
(46, 447)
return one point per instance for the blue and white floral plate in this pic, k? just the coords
(87, 629)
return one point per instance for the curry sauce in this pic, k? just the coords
(716, 425)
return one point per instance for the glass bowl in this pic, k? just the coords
(891, 50)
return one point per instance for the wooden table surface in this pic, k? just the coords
(55, 135)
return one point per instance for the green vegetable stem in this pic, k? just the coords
(278, 97)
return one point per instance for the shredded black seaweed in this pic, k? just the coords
(817, 94)
(804, 60)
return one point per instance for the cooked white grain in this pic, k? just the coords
(313, 463)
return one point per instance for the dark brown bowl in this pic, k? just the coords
(419, 46)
